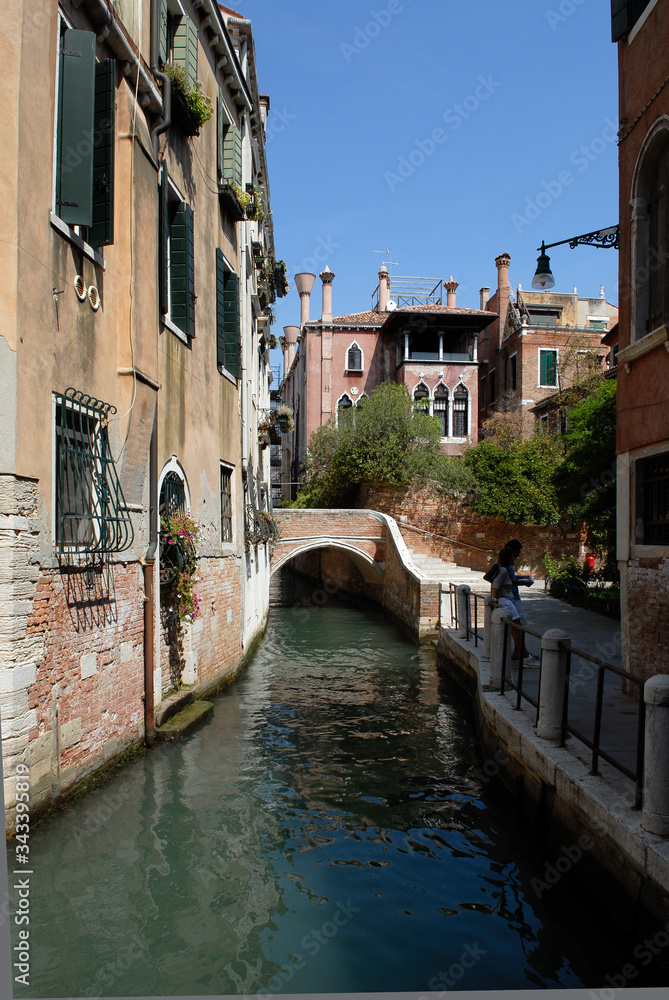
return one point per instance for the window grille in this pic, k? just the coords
(460, 412)
(172, 494)
(226, 504)
(91, 513)
(652, 475)
(440, 409)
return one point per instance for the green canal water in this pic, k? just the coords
(327, 830)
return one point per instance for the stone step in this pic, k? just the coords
(185, 721)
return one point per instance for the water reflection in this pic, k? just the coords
(325, 831)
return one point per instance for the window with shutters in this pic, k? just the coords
(229, 146)
(548, 368)
(228, 331)
(177, 259)
(460, 412)
(85, 133)
(513, 372)
(624, 15)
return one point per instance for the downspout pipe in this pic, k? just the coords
(166, 121)
(149, 565)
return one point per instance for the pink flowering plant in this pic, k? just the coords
(181, 535)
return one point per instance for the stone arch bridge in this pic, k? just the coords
(373, 543)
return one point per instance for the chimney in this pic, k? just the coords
(304, 282)
(451, 287)
(384, 288)
(502, 263)
(327, 278)
(484, 295)
(288, 341)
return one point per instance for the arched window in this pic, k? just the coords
(658, 241)
(172, 494)
(440, 407)
(460, 412)
(649, 273)
(363, 399)
(354, 359)
(344, 407)
(421, 397)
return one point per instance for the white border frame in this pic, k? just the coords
(540, 384)
(356, 371)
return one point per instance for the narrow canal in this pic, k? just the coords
(327, 830)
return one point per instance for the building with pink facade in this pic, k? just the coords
(409, 336)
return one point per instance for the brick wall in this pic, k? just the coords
(212, 644)
(461, 536)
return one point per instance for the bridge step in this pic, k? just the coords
(433, 568)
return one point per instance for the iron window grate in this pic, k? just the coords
(653, 497)
(91, 513)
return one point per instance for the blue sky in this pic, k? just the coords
(523, 96)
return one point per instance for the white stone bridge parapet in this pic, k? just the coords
(373, 542)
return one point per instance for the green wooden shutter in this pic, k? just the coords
(232, 155)
(221, 127)
(162, 40)
(74, 178)
(163, 234)
(624, 15)
(220, 308)
(548, 371)
(101, 233)
(184, 49)
(182, 270)
(233, 361)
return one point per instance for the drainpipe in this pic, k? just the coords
(166, 121)
(149, 565)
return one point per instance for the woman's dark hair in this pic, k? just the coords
(505, 557)
(514, 545)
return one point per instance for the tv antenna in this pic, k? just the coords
(390, 262)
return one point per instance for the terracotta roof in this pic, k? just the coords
(228, 10)
(368, 318)
(435, 308)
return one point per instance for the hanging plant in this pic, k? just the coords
(284, 417)
(198, 104)
(180, 536)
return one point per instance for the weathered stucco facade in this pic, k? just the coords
(163, 334)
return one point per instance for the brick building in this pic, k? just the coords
(134, 328)
(641, 30)
(409, 336)
(539, 342)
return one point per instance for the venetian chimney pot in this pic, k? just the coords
(288, 342)
(304, 282)
(502, 262)
(384, 288)
(484, 295)
(451, 288)
(327, 277)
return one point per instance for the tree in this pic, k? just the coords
(515, 481)
(585, 479)
(387, 441)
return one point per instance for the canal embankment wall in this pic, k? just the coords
(624, 865)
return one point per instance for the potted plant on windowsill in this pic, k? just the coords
(191, 109)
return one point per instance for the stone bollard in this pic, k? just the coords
(553, 668)
(487, 628)
(463, 592)
(497, 619)
(655, 814)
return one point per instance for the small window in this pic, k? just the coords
(440, 408)
(354, 359)
(652, 500)
(492, 394)
(226, 504)
(421, 397)
(460, 412)
(548, 368)
(658, 242)
(597, 323)
(513, 371)
(543, 319)
(624, 15)
(543, 423)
